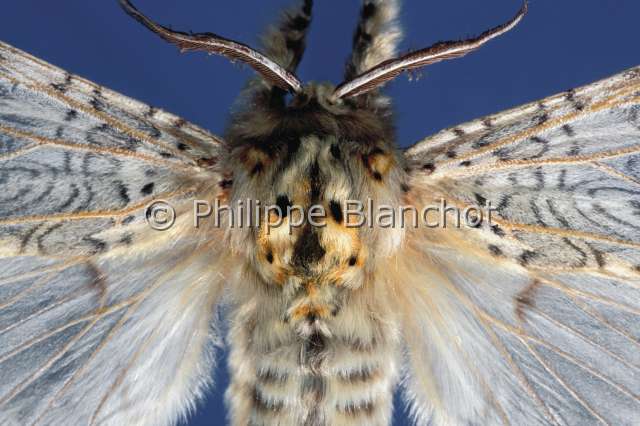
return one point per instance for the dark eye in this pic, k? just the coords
(284, 203)
(336, 211)
(353, 260)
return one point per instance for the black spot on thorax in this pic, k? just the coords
(284, 204)
(307, 249)
(315, 180)
(336, 211)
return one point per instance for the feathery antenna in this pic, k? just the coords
(212, 43)
(388, 70)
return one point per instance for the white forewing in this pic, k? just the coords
(102, 319)
(532, 318)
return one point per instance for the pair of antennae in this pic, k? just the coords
(282, 78)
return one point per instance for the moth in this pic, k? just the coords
(531, 317)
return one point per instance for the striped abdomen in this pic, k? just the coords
(341, 372)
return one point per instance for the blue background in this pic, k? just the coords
(561, 44)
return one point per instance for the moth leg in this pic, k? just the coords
(376, 38)
(285, 42)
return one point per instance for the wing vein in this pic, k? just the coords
(41, 141)
(481, 316)
(22, 385)
(558, 379)
(616, 173)
(61, 217)
(100, 116)
(565, 233)
(584, 337)
(43, 280)
(610, 102)
(575, 292)
(517, 164)
(592, 313)
(157, 284)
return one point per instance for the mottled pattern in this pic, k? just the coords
(80, 159)
(548, 334)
